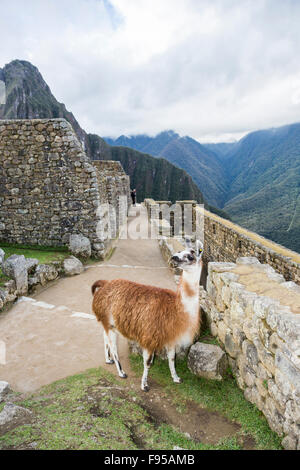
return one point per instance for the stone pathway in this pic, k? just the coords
(54, 334)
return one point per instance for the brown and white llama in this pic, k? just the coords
(153, 317)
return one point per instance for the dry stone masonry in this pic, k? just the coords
(255, 314)
(223, 240)
(253, 309)
(49, 189)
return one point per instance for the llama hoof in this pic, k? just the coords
(124, 376)
(111, 361)
(146, 388)
(178, 381)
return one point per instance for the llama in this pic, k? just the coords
(155, 318)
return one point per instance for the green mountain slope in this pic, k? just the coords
(186, 153)
(264, 191)
(223, 149)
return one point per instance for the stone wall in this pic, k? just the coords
(49, 188)
(255, 314)
(225, 241)
(254, 311)
(115, 190)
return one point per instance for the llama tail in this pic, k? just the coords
(97, 285)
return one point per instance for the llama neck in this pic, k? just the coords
(192, 276)
(189, 290)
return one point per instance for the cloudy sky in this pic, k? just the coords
(211, 69)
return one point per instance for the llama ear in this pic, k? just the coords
(199, 248)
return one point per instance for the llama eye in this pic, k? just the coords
(190, 258)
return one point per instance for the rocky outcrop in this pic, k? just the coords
(45, 273)
(12, 413)
(17, 267)
(27, 274)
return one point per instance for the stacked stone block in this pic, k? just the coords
(49, 188)
(226, 244)
(223, 243)
(262, 340)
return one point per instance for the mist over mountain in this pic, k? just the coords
(222, 149)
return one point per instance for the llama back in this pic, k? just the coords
(147, 314)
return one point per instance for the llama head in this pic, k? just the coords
(189, 257)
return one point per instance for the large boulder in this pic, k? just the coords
(208, 361)
(73, 266)
(15, 267)
(80, 246)
(13, 413)
(4, 390)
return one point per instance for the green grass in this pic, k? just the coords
(43, 254)
(224, 397)
(94, 410)
(207, 338)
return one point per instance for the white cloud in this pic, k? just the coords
(215, 68)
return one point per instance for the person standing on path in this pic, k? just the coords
(133, 196)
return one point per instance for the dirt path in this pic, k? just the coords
(54, 334)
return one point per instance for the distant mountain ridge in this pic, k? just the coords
(256, 180)
(201, 163)
(29, 97)
(264, 191)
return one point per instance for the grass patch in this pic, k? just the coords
(44, 255)
(208, 338)
(94, 410)
(224, 397)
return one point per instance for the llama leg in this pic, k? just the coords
(171, 359)
(152, 359)
(112, 338)
(148, 357)
(108, 358)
